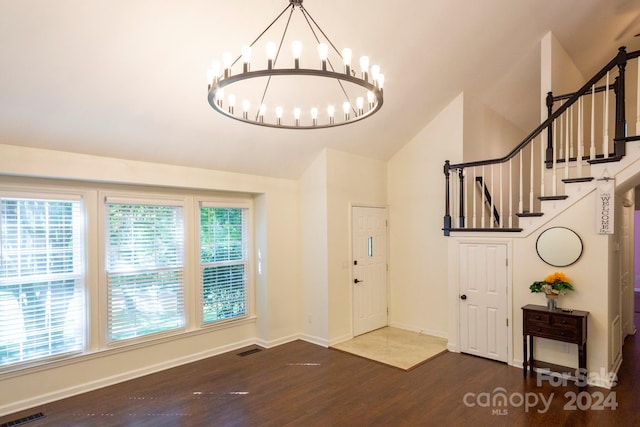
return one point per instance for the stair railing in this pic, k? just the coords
(561, 144)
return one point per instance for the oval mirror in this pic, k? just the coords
(559, 246)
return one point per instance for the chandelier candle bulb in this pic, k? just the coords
(375, 72)
(296, 50)
(272, 49)
(380, 81)
(331, 110)
(323, 52)
(371, 98)
(364, 67)
(232, 103)
(314, 116)
(279, 115)
(245, 108)
(246, 58)
(360, 105)
(296, 115)
(220, 97)
(261, 112)
(346, 107)
(346, 58)
(227, 60)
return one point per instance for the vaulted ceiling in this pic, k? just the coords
(127, 78)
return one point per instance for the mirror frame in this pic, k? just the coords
(559, 246)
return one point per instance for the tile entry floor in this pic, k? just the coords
(396, 347)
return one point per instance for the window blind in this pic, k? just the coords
(145, 269)
(41, 279)
(223, 262)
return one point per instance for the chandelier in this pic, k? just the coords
(252, 88)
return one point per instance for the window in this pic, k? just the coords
(223, 262)
(41, 279)
(145, 269)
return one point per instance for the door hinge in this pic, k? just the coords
(507, 322)
(506, 262)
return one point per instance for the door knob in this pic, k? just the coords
(356, 281)
(463, 297)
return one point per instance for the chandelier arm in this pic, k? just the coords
(267, 29)
(284, 33)
(308, 16)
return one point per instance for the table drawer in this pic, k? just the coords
(546, 331)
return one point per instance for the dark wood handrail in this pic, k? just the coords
(622, 56)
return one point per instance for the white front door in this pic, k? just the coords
(483, 300)
(369, 281)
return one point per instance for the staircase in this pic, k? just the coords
(583, 142)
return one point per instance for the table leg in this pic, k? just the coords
(524, 356)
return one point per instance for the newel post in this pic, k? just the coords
(619, 90)
(548, 154)
(447, 213)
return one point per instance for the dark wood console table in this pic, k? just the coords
(559, 325)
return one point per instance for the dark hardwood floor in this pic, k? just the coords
(301, 384)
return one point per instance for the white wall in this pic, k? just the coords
(329, 187)
(559, 73)
(418, 254)
(352, 180)
(590, 277)
(314, 246)
(487, 134)
(277, 238)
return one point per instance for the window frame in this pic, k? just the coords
(240, 203)
(80, 270)
(149, 199)
(93, 221)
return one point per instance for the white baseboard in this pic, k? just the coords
(279, 341)
(315, 340)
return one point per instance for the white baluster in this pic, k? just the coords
(500, 210)
(520, 192)
(554, 174)
(638, 99)
(531, 176)
(510, 194)
(567, 142)
(580, 136)
(571, 140)
(484, 199)
(558, 139)
(474, 183)
(592, 148)
(605, 121)
(543, 149)
(492, 193)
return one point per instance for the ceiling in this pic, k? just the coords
(127, 78)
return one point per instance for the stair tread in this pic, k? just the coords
(609, 159)
(584, 179)
(487, 229)
(563, 197)
(529, 214)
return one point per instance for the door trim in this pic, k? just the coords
(454, 291)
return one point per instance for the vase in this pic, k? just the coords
(552, 303)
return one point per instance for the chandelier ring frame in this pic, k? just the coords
(227, 81)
